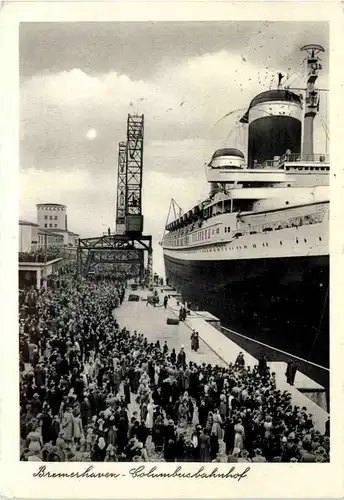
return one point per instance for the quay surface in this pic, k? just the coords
(215, 347)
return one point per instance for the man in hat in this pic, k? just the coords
(291, 372)
(262, 366)
(244, 457)
(240, 361)
(203, 413)
(181, 358)
(258, 456)
(195, 439)
(234, 456)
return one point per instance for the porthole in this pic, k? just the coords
(297, 240)
(319, 238)
(305, 240)
(287, 202)
(280, 243)
(267, 244)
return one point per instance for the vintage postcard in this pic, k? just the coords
(171, 243)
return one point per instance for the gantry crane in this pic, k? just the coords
(124, 250)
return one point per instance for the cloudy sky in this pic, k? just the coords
(79, 81)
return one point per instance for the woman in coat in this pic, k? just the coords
(204, 442)
(183, 414)
(157, 434)
(223, 407)
(99, 450)
(239, 436)
(228, 434)
(217, 424)
(169, 451)
(214, 445)
(156, 374)
(111, 454)
(78, 431)
(111, 437)
(67, 425)
(210, 421)
(149, 416)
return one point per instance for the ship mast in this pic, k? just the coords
(313, 66)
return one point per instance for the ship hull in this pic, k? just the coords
(283, 302)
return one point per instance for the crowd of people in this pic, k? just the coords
(90, 390)
(40, 255)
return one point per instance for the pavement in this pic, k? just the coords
(152, 322)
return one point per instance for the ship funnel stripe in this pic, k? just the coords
(276, 95)
(275, 108)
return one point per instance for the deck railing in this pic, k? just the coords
(296, 157)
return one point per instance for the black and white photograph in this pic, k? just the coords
(173, 251)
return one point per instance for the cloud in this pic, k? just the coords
(180, 102)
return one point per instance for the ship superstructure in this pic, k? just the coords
(256, 252)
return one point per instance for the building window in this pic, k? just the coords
(55, 225)
(50, 217)
(55, 217)
(50, 225)
(45, 217)
(45, 225)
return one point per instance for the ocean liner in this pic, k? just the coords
(256, 252)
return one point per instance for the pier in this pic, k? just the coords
(215, 347)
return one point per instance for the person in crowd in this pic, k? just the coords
(194, 341)
(92, 390)
(262, 366)
(204, 439)
(258, 456)
(181, 358)
(291, 372)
